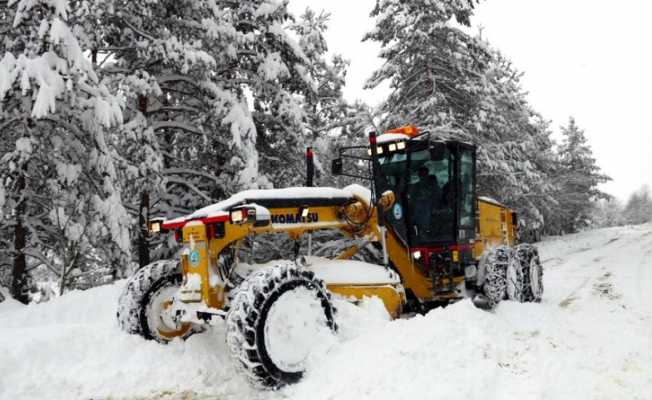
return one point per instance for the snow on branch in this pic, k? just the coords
(176, 125)
(187, 171)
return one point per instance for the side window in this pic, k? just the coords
(466, 189)
(431, 210)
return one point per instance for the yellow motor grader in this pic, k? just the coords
(439, 241)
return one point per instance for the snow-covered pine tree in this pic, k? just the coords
(609, 212)
(578, 179)
(60, 199)
(313, 89)
(433, 66)
(216, 87)
(154, 57)
(638, 209)
(515, 152)
(326, 111)
(459, 87)
(281, 142)
(265, 72)
(542, 192)
(325, 106)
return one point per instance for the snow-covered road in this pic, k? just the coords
(590, 338)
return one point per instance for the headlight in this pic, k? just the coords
(154, 227)
(237, 216)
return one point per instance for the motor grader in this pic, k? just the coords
(439, 243)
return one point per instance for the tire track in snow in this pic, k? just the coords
(568, 300)
(643, 274)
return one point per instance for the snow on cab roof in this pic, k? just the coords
(307, 195)
(391, 137)
(487, 199)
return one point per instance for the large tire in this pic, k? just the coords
(493, 264)
(525, 275)
(253, 336)
(141, 301)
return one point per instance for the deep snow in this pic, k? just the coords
(590, 338)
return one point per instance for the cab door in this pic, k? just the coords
(465, 177)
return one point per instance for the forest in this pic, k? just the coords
(114, 112)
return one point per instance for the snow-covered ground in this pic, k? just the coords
(590, 338)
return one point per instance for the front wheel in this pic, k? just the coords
(144, 300)
(277, 316)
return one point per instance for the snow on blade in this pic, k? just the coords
(351, 271)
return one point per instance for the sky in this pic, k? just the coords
(589, 59)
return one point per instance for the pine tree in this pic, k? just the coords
(459, 87)
(156, 60)
(217, 98)
(324, 107)
(435, 69)
(281, 143)
(60, 196)
(578, 179)
(607, 213)
(638, 209)
(515, 151)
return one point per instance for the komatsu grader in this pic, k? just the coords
(440, 243)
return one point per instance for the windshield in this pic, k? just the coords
(428, 191)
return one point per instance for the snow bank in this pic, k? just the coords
(589, 339)
(7, 303)
(72, 348)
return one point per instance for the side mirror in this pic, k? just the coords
(336, 166)
(437, 153)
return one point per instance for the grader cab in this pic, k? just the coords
(439, 243)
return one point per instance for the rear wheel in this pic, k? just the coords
(144, 300)
(525, 275)
(494, 264)
(536, 277)
(277, 316)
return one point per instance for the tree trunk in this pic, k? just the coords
(62, 279)
(19, 275)
(143, 210)
(143, 240)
